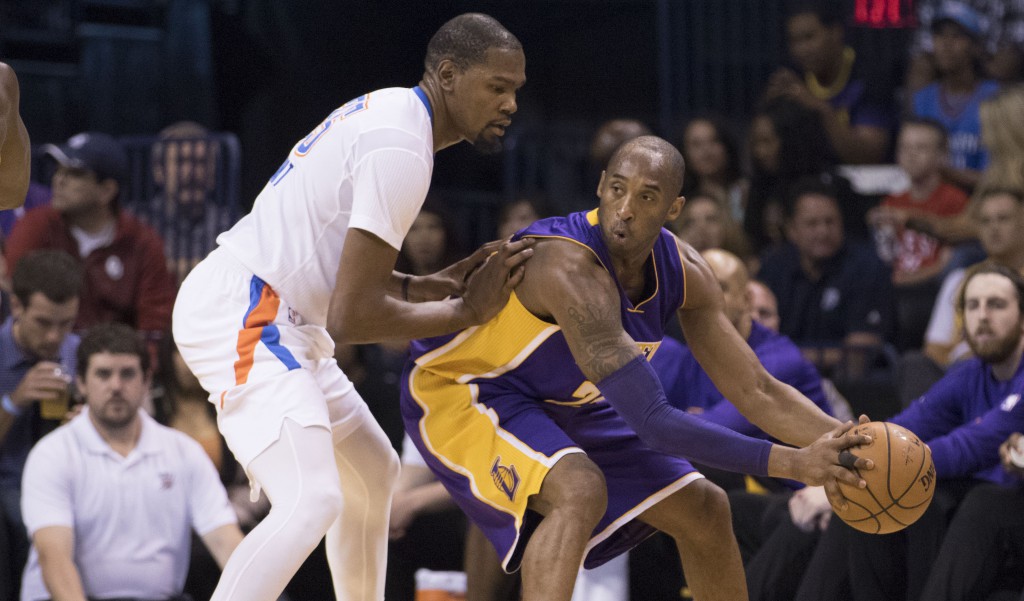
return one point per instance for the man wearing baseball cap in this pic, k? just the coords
(126, 276)
(965, 17)
(958, 33)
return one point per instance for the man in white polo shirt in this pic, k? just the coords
(109, 498)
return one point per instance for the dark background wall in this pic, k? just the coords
(270, 70)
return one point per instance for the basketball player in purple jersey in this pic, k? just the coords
(551, 430)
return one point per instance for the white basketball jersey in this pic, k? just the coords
(367, 166)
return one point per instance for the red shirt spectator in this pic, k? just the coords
(125, 281)
(126, 276)
(917, 251)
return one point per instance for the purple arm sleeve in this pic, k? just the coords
(635, 393)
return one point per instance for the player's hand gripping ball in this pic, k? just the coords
(899, 488)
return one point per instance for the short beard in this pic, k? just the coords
(1000, 349)
(485, 146)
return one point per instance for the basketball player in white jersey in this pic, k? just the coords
(311, 265)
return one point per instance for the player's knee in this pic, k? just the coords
(318, 507)
(390, 468)
(576, 487)
(707, 514)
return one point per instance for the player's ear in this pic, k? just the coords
(600, 184)
(446, 74)
(676, 208)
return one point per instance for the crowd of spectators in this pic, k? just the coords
(844, 275)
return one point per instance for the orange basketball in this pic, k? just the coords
(900, 486)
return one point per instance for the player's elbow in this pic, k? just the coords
(343, 327)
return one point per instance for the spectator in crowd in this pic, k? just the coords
(1000, 217)
(919, 259)
(37, 353)
(518, 214)
(612, 134)
(126, 277)
(185, 162)
(1002, 133)
(855, 106)
(954, 99)
(712, 156)
(832, 292)
(706, 223)
(916, 254)
(788, 142)
(15, 147)
(764, 307)
(1004, 27)
(110, 497)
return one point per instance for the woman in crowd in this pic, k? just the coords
(713, 163)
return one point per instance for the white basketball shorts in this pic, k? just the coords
(258, 360)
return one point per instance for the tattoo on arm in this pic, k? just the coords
(598, 333)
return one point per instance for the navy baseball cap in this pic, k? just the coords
(93, 151)
(964, 16)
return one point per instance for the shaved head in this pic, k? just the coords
(726, 265)
(662, 153)
(733, 277)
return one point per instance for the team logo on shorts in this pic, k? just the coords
(506, 478)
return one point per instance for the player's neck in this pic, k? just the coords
(441, 125)
(631, 274)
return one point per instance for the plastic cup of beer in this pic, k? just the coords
(57, 406)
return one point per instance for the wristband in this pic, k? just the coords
(405, 287)
(10, 407)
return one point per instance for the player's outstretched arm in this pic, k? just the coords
(565, 283)
(364, 307)
(15, 147)
(775, 407)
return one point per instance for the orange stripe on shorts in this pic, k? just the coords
(263, 314)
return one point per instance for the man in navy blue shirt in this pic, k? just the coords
(832, 292)
(37, 358)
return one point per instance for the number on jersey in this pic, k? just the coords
(346, 110)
